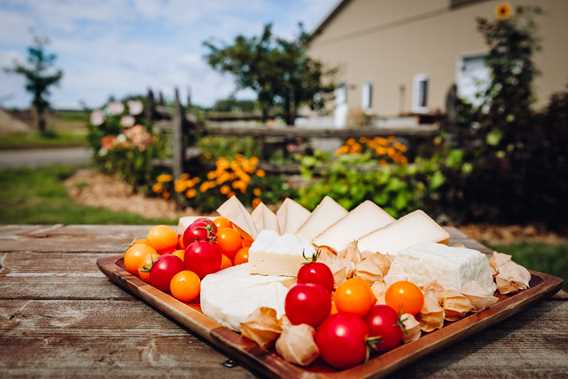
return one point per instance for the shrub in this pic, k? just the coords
(213, 148)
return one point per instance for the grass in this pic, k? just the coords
(66, 129)
(37, 196)
(552, 259)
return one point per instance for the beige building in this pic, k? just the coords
(402, 56)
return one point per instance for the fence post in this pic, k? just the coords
(150, 107)
(178, 140)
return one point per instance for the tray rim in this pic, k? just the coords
(270, 364)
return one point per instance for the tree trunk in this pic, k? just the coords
(41, 122)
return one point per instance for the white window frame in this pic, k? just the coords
(459, 65)
(367, 96)
(417, 106)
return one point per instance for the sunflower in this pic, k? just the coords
(503, 11)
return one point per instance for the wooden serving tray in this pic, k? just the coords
(269, 364)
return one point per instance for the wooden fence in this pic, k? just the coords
(183, 127)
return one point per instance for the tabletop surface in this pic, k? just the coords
(61, 317)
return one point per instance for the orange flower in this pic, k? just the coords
(190, 194)
(257, 192)
(157, 188)
(503, 11)
(260, 173)
(255, 202)
(225, 189)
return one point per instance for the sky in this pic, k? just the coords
(121, 47)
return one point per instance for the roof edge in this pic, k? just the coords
(327, 19)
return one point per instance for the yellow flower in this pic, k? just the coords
(255, 202)
(224, 178)
(240, 185)
(342, 150)
(503, 11)
(164, 178)
(181, 185)
(205, 186)
(225, 189)
(211, 175)
(222, 164)
(350, 141)
(157, 188)
(257, 192)
(356, 148)
(261, 173)
(253, 161)
(190, 194)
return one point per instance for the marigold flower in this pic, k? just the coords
(254, 161)
(350, 141)
(503, 11)
(180, 185)
(157, 187)
(190, 194)
(255, 202)
(225, 189)
(164, 178)
(240, 185)
(260, 173)
(257, 192)
(222, 164)
(342, 150)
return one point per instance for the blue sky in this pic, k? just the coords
(119, 47)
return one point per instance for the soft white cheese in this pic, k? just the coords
(231, 295)
(452, 267)
(273, 254)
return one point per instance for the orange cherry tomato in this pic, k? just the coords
(229, 240)
(163, 238)
(134, 256)
(333, 307)
(146, 266)
(180, 243)
(242, 256)
(354, 296)
(225, 262)
(404, 297)
(245, 237)
(180, 254)
(222, 222)
(184, 286)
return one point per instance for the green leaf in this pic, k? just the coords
(494, 137)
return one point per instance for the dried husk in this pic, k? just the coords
(456, 305)
(372, 268)
(342, 269)
(296, 344)
(478, 298)
(412, 328)
(351, 253)
(379, 289)
(431, 315)
(511, 277)
(262, 326)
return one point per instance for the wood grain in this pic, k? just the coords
(62, 318)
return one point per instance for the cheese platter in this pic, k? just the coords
(340, 294)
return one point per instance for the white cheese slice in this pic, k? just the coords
(185, 221)
(414, 228)
(231, 295)
(327, 213)
(264, 218)
(236, 212)
(273, 254)
(365, 218)
(452, 267)
(291, 216)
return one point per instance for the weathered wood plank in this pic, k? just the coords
(75, 238)
(20, 263)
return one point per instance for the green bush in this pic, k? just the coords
(213, 148)
(353, 178)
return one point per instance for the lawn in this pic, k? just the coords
(67, 129)
(37, 196)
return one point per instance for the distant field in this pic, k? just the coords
(69, 129)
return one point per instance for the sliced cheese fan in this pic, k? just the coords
(264, 218)
(327, 213)
(364, 219)
(236, 212)
(291, 216)
(414, 228)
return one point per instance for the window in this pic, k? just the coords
(420, 93)
(367, 96)
(473, 77)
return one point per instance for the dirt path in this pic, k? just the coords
(76, 156)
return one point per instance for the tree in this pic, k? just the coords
(279, 71)
(40, 75)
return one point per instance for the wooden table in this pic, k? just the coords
(59, 316)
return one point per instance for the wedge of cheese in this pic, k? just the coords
(364, 219)
(231, 295)
(236, 212)
(327, 213)
(185, 221)
(264, 218)
(291, 216)
(414, 228)
(273, 254)
(452, 267)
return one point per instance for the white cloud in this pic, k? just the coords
(119, 47)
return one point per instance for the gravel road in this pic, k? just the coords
(44, 157)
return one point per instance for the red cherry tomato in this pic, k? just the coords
(163, 270)
(316, 273)
(308, 304)
(383, 322)
(203, 257)
(341, 340)
(200, 230)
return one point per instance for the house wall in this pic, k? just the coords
(388, 42)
